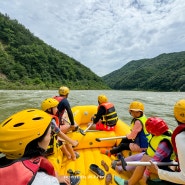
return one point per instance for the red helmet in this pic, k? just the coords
(156, 126)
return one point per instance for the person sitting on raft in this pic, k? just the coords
(159, 150)
(137, 139)
(106, 116)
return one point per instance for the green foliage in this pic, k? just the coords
(163, 73)
(28, 63)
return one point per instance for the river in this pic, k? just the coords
(156, 103)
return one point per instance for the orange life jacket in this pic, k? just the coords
(110, 118)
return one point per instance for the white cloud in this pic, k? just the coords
(104, 34)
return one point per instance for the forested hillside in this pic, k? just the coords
(26, 62)
(165, 72)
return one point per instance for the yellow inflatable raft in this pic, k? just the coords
(89, 148)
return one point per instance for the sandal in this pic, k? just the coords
(97, 171)
(105, 165)
(108, 179)
(71, 172)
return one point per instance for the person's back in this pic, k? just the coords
(63, 108)
(106, 116)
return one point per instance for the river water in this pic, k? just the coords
(156, 103)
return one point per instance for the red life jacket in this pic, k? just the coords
(23, 171)
(58, 98)
(178, 130)
(59, 114)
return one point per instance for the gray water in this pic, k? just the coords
(156, 103)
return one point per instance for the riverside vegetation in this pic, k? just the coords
(26, 62)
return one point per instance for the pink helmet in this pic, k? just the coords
(156, 126)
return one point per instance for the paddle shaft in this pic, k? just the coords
(139, 163)
(83, 132)
(110, 138)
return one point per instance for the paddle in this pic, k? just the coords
(83, 132)
(139, 163)
(110, 138)
(142, 163)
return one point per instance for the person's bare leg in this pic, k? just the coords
(65, 128)
(65, 151)
(71, 151)
(137, 175)
(139, 171)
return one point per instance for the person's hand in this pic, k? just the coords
(153, 168)
(74, 128)
(92, 118)
(64, 179)
(146, 158)
(75, 143)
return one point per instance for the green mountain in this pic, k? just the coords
(26, 62)
(165, 72)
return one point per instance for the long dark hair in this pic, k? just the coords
(32, 149)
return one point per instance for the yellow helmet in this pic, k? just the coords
(136, 106)
(49, 103)
(20, 129)
(179, 111)
(102, 98)
(63, 91)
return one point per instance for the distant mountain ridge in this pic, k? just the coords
(165, 72)
(26, 62)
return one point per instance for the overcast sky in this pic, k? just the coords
(104, 35)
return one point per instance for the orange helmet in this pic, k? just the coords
(156, 126)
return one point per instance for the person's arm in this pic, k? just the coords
(43, 178)
(135, 130)
(176, 177)
(99, 114)
(69, 111)
(68, 139)
(162, 152)
(57, 131)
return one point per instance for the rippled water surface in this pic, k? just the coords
(156, 103)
